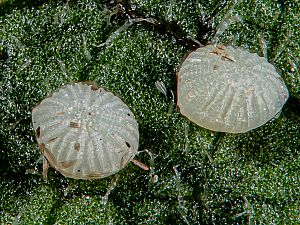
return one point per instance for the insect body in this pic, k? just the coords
(229, 89)
(85, 132)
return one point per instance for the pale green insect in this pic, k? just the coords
(85, 132)
(227, 89)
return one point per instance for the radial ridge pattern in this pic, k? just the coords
(229, 89)
(85, 132)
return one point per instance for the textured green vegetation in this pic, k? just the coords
(248, 178)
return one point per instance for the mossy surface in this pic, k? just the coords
(202, 177)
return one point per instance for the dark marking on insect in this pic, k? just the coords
(77, 147)
(42, 147)
(49, 156)
(227, 58)
(178, 106)
(220, 50)
(74, 125)
(221, 47)
(67, 164)
(95, 175)
(52, 139)
(128, 114)
(38, 132)
(94, 87)
(89, 113)
(128, 145)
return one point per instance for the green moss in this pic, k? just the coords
(224, 178)
(88, 210)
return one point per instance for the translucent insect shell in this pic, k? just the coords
(229, 89)
(85, 132)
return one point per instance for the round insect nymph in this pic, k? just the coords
(229, 89)
(85, 132)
